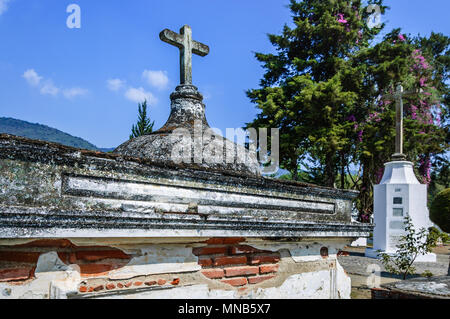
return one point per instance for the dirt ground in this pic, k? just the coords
(356, 265)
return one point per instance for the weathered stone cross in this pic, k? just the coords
(398, 97)
(187, 46)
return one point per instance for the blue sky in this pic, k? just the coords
(87, 81)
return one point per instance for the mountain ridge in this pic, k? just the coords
(43, 132)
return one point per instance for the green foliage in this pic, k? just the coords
(440, 210)
(42, 132)
(427, 274)
(410, 247)
(444, 237)
(144, 125)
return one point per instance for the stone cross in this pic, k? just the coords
(398, 97)
(187, 46)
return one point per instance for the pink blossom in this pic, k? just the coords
(422, 82)
(401, 37)
(360, 136)
(379, 175)
(341, 18)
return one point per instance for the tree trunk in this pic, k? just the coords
(330, 173)
(342, 170)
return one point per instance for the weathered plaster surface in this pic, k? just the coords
(320, 277)
(188, 116)
(155, 215)
(52, 191)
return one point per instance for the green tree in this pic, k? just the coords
(144, 125)
(311, 85)
(324, 89)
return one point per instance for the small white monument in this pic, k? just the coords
(398, 195)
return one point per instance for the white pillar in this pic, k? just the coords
(398, 194)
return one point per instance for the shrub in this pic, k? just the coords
(440, 210)
(410, 247)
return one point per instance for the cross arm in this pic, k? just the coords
(172, 38)
(402, 94)
(200, 48)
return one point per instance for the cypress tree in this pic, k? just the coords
(144, 125)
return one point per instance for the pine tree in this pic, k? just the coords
(311, 86)
(144, 125)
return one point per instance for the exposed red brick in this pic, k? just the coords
(266, 269)
(98, 288)
(241, 271)
(233, 240)
(95, 269)
(83, 289)
(162, 282)
(236, 282)
(208, 250)
(260, 259)
(205, 262)
(53, 243)
(343, 253)
(120, 285)
(324, 252)
(95, 255)
(128, 284)
(175, 282)
(215, 241)
(19, 256)
(243, 249)
(230, 260)
(138, 283)
(110, 286)
(257, 280)
(72, 258)
(15, 274)
(64, 257)
(213, 273)
(150, 283)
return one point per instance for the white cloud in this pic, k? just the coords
(31, 76)
(115, 84)
(3, 6)
(139, 95)
(156, 79)
(74, 92)
(49, 89)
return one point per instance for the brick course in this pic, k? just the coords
(231, 261)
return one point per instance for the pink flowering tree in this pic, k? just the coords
(401, 59)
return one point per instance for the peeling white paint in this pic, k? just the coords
(159, 259)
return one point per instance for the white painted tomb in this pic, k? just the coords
(399, 194)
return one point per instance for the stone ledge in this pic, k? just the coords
(25, 222)
(24, 149)
(417, 288)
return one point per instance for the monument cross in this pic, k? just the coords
(187, 46)
(398, 97)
